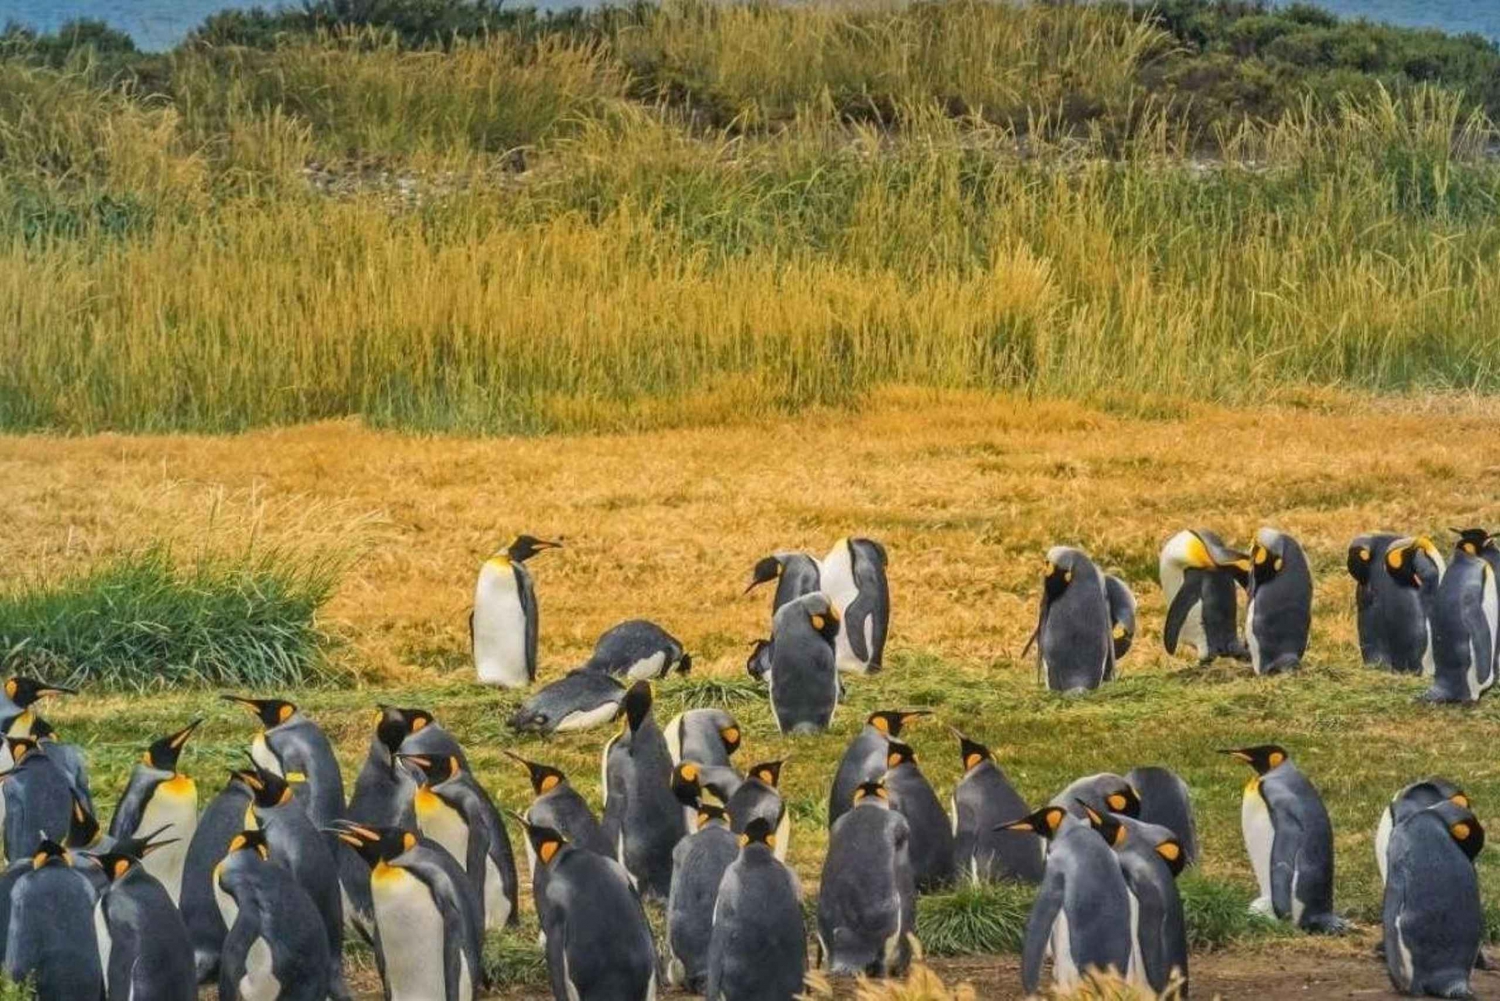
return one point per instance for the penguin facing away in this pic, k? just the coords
(1082, 910)
(867, 894)
(294, 747)
(1075, 648)
(642, 817)
(1199, 576)
(1432, 915)
(1278, 617)
(864, 759)
(1396, 582)
(1290, 841)
(983, 799)
(144, 950)
(804, 679)
(384, 796)
(1478, 542)
(758, 797)
(698, 865)
(50, 933)
(1465, 631)
(576, 701)
(159, 797)
(758, 949)
(911, 796)
(795, 574)
(708, 736)
(1414, 797)
(503, 625)
(17, 697)
(1166, 802)
(68, 757)
(638, 650)
(1105, 792)
(222, 819)
(277, 946)
(36, 799)
(1122, 609)
(599, 945)
(853, 577)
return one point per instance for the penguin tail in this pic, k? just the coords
(805, 729)
(1458, 987)
(1324, 924)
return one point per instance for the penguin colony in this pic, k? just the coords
(256, 893)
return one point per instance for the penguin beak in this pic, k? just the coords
(181, 736)
(1235, 753)
(42, 691)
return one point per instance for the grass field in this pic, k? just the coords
(966, 491)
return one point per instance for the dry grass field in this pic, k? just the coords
(966, 491)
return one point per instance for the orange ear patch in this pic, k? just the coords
(547, 850)
(550, 782)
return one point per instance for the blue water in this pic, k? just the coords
(159, 24)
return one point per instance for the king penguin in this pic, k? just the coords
(1199, 575)
(795, 574)
(277, 946)
(294, 747)
(503, 624)
(17, 719)
(1290, 841)
(803, 678)
(1465, 631)
(853, 577)
(36, 799)
(427, 736)
(429, 935)
(599, 945)
(983, 799)
(758, 797)
(758, 949)
(1122, 614)
(1417, 796)
(454, 810)
(698, 865)
(143, 943)
(1279, 614)
(1075, 648)
(1396, 582)
(911, 796)
(222, 819)
(161, 798)
(867, 898)
(1433, 919)
(1167, 802)
(50, 935)
(576, 701)
(707, 736)
(68, 757)
(864, 758)
(559, 806)
(384, 794)
(1478, 542)
(642, 817)
(1105, 792)
(1082, 910)
(638, 650)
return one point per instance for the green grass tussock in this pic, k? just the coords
(145, 620)
(974, 919)
(1218, 914)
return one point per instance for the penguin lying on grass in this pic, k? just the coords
(576, 701)
(638, 650)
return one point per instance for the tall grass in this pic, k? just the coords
(336, 226)
(144, 620)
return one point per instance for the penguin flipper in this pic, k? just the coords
(529, 612)
(1049, 902)
(855, 616)
(1481, 639)
(1286, 845)
(1187, 598)
(232, 958)
(132, 805)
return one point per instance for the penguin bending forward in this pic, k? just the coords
(643, 820)
(1279, 614)
(867, 896)
(1432, 915)
(1412, 798)
(1074, 641)
(698, 865)
(1199, 576)
(853, 577)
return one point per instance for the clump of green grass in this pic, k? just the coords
(144, 619)
(974, 918)
(513, 959)
(706, 691)
(10, 990)
(1218, 914)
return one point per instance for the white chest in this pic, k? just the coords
(174, 806)
(411, 936)
(259, 982)
(499, 627)
(443, 824)
(1255, 822)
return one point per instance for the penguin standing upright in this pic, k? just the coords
(853, 577)
(982, 800)
(144, 950)
(384, 794)
(222, 819)
(159, 797)
(1075, 648)
(1166, 802)
(1396, 582)
(277, 946)
(1465, 631)
(599, 945)
(1433, 919)
(911, 796)
(642, 817)
(707, 736)
(803, 678)
(1151, 859)
(1414, 797)
(638, 650)
(1279, 614)
(1478, 542)
(864, 758)
(1199, 574)
(867, 898)
(429, 935)
(50, 934)
(17, 719)
(758, 797)
(698, 865)
(426, 736)
(758, 949)
(1082, 911)
(795, 574)
(576, 701)
(294, 747)
(503, 624)
(559, 806)
(68, 757)
(1290, 841)
(36, 799)
(454, 810)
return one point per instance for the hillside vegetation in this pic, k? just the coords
(448, 217)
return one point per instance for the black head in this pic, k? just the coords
(874, 792)
(768, 772)
(1266, 561)
(1107, 824)
(116, 865)
(143, 845)
(545, 841)
(1055, 579)
(270, 790)
(544, 778)
(824, 619)
(393, 725)
(766, 570)
(687, 783)
(374, 844)
(1123, 800)
(1463, 827)
(270, 712)
(758, 832)
(20, 747)
(526, 546)
(83, 826)
(1473, 540)
(685, 664)
(1359, 559)
(637, 705)
(890, 721)
(730, 735)
(41, 730)
(28, 691)
(49, 852)
(759, 660)
(972, 752)
(709, 813)
(250, 841)
(1044, 822)
(435, 768)
(247, 777)
(163, 754)
(1262, 757)
(898, 754)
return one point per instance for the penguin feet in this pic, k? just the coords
(1263, 907)
(1483, 961)
(1324, 924)
(1285, 664)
